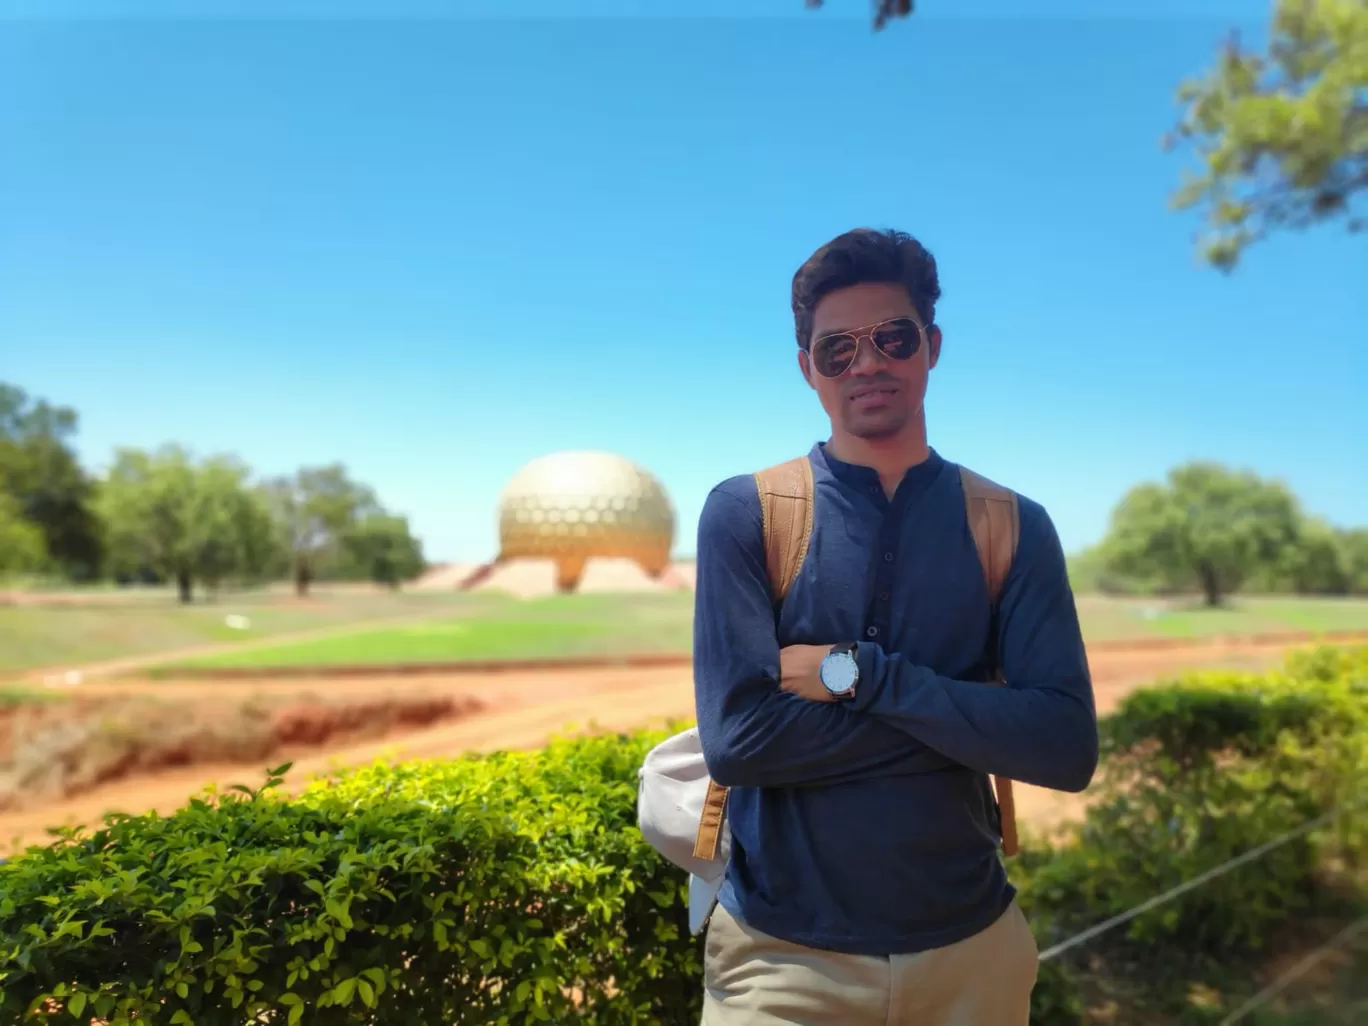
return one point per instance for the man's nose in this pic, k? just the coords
(868, 359)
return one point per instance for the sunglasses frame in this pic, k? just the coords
(859, 334)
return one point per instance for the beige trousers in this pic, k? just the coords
(753, 978)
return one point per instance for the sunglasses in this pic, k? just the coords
(897, 339)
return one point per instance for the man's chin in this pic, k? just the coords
(874, 429)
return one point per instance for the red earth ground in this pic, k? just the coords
(522, 710)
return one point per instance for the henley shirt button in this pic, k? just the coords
(888, 557)
(872, 631)
(883, 596)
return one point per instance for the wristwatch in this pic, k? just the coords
(840, 672)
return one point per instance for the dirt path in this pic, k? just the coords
(525, 709)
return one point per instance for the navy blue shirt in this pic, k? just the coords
(870, 826)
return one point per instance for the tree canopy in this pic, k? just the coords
(189, 522)
(1281, 135)
(42, 476)
(314, 509)
(21, 541)
(205, 522)
(381, 548)
(1215, 530)
(884, 10)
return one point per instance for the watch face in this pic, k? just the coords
(839, 672)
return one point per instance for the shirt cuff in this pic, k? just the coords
(869, 658)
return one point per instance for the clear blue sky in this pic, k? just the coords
(434, 248)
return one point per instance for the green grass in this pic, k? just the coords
(615, 624)
(13, 695)
(539, 629)
(1106, 619)
(37, 636)
(449, 626)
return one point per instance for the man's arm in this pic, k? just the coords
(1042, 727)
(754, 734)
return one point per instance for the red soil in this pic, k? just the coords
(517, 710)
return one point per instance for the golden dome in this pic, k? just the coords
(575, 506)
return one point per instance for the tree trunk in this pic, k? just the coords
(1211, 585)
(185, 587)
(303, 575)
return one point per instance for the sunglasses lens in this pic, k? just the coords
(832, 355)
(898, 340)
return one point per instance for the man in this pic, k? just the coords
(865, 884)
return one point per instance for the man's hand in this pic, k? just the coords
(798, 672)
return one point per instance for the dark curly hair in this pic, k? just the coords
(857, 258)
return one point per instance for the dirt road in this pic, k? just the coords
(524, 710)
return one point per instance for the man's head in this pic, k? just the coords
(864, 309)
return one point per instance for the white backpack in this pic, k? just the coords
(681, 811)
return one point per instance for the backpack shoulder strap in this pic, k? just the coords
(786, 515)
(995, 525)
(993, 521)
(786, 491)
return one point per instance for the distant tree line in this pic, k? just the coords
(166, 517)
(1213, 530)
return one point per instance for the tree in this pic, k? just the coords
(1355, 544)
(1282, 136)
(41, 473)
(1317, 563)
(186, 521)
(22, 549)
(232, 532)
(1208, 527)
(313, 509)
(383, 550)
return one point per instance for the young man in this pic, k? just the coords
(854, 725)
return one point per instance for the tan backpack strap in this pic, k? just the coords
(786, 515)
(710, 823)
(993, 521)
(786, 518)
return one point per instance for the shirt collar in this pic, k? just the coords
(853, 475)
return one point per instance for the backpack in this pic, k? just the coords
(680, 810)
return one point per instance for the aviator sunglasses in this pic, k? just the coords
(897, 339)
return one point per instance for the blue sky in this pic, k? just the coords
(436, 247)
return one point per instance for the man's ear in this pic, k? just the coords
(805, 367)
(933, 338)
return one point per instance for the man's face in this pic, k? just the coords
(877, 396)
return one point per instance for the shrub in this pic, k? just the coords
(1195, 773)
(516, 888)
(505, 889)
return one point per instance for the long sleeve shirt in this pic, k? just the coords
(870, 826)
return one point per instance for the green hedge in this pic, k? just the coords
(515, 888)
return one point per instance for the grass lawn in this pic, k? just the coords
(448, 626)
(614, 624)
(540, 628)
(13, 695)
(33, 636)
(1107, 619)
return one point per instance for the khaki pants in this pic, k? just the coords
(755, 979)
